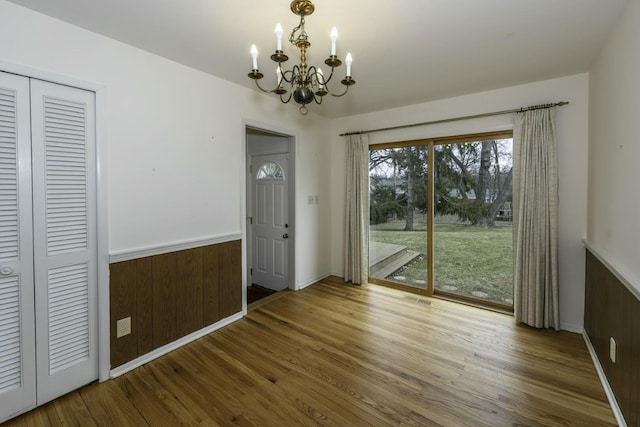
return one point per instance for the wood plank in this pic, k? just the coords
(36, 418)
(70, 410)
(144, 309)
(210, 285)
(109, 406)
(189, 291)
(145, 394)
(336, 354)
(230, 282)
(181, 402)
(122, 303)
(164, 299)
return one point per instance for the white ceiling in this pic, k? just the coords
(405, 51)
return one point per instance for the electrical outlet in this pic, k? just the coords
(123, 327)
(612, 349)
(317, 200)
(310, 199)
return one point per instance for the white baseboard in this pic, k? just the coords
(576, 329)
(312, 281)
(605, 383)
(135, 363)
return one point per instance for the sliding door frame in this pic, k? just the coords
(431, 143)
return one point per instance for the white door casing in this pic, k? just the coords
(49, 220)
(17, 331)
(270, 227)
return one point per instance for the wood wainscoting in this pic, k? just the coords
(171, 295)
(612, 310)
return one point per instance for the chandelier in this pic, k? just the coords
(306, 83)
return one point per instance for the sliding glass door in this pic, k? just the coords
(398, 183)
(440, 217)
(472, 238)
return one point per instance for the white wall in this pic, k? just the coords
(613, 228)
(175, 138)
(572, 132)
(176, 148)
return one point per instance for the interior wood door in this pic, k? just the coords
(48, 242)
(17, 328)
(270, 221)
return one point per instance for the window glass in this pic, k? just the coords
(440, 217)
(270, 170)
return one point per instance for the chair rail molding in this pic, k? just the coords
(129, 254)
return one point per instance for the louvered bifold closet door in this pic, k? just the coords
(63, 143)
(17, 341)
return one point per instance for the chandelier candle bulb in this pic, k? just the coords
(334, 39)
(254, 56)
(320, 79)
(279, 75)
(279, 37)
(348, 60)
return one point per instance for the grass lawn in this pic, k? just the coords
(467, 259)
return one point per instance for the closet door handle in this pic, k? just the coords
(5, 271)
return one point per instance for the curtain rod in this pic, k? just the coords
(475, 116)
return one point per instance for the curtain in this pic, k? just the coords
(356, 243)
(535, 220)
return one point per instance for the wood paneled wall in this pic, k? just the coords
(171, 295)
(611, 310)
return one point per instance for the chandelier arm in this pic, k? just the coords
(343, 93)
(288, 99)
(291, 73)
(313, 71)
(264, 90)
(279, 90)
(313, 76)
(328, 79)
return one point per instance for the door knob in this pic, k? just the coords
(285, 236)
(5, 271)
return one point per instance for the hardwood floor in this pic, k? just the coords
(341, 355)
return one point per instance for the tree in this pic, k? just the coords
(470, 182)
(383, 203)
(405, 171)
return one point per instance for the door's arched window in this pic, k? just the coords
(270, 170)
